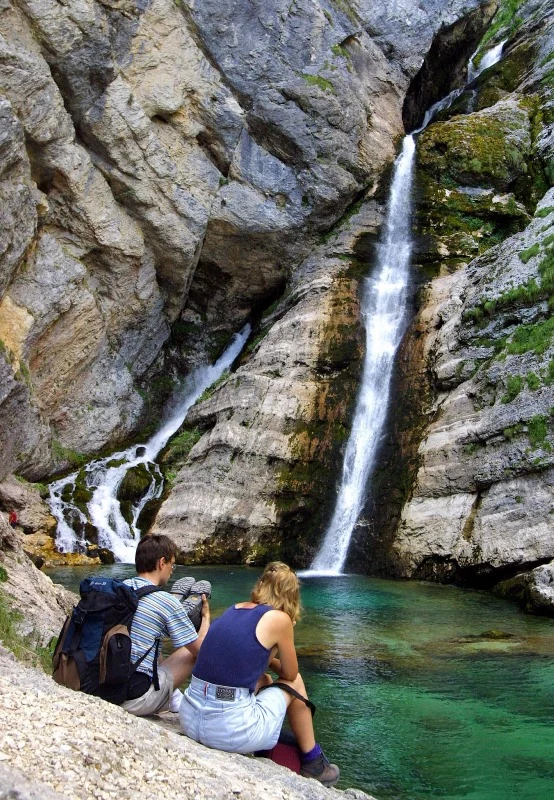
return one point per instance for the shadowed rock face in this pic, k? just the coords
(160, 170)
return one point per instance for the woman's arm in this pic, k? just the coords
(275, 629)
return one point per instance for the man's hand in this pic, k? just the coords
(205, 624)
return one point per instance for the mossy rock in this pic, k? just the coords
(148, 515)
(489, 149)
(135, 484)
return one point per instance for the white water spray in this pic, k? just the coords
(104, 476)
(384, 315)
(490, 58)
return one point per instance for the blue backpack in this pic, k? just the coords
(93, 653)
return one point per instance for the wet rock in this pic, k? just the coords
(135, 484)
(533, 590)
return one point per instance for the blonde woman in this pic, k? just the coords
(224, 707)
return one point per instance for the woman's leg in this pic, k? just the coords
(299, 715)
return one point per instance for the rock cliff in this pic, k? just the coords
(40, 605)
(479, 358)
(165, 166)
(170, 170)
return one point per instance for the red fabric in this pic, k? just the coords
(287, 755)
(13, 518)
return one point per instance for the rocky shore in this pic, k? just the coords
(55, 743)
(58, 743)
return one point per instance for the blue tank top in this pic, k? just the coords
(231, 655)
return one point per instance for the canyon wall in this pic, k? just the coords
(477, 503)
(164, 168)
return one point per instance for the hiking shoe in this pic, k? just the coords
(182, 587)
(193, 603)
(321, 770)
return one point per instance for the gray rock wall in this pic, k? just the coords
(481, 507)
(158, 169)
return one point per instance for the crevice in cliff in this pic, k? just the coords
(445, 65)
(467, 530)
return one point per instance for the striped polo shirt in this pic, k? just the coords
(159, 615)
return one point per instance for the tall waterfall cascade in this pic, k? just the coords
(384, 312)
(104, 476)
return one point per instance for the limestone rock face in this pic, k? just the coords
(33, 515)
(484, 491)
(533, 590)
(159, 171)
(42, 605)
(259, 482)
(482, 504)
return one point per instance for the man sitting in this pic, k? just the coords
(160, 615)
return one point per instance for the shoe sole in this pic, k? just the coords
(182, 587)
(201, 587)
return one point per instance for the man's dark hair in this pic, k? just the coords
(151, 548)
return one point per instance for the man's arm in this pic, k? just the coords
(194, 646)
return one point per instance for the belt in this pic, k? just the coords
(226, 693)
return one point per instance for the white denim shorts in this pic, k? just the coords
(245, 724)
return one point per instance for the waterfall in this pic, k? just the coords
(104, 476)
(384, 312)
(490, 58)
(383, 308)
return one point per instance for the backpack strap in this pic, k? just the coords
(289, 690)
(143, 591)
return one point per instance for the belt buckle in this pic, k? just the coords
(227, 693)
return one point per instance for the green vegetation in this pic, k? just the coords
(473, 447)
(544, 212)
(211, 390)
(317, 80)
(532, 337)
(533, 381)
(526, 255)
(512, 431)
(549, 378)
(62, 453)
(514, 385)
(3, 574)
(505, 18)
(339, 51)
(345, 7)
(526, 294)
(537, 430)
(179, 447)
(26, 648)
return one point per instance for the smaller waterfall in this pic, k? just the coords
(384, 315)
(104, 476)
(490, 58)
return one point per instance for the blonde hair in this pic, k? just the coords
(279, 587)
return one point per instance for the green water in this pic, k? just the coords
(412, 703)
